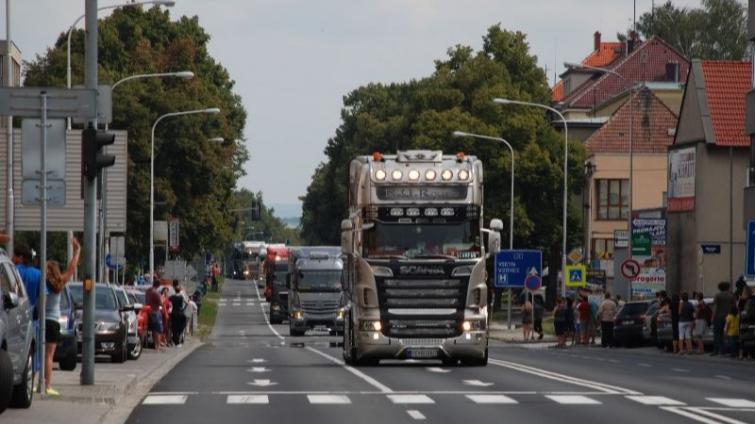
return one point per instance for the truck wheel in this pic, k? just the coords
(476, 362)
(22, 393)
(274, 320)
(294, 332)
(69, 362)
(6, 380)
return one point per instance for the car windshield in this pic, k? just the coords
(633, 309)
(319, 281)
(122, 298)
(453, 240)
(104, 298)
(139, 297)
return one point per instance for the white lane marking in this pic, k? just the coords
(438, 370)
(477, 383)
(655, 400)
(682, 370)
(262, 383)
(267, 320)
(410, 399)
(734, 403)
(415, 414)
(258, 369)
(369, 380)
(643, 364)
(606, 388)
(164, 400)
(328, 399)
(492, 399)
(695, 417)
(718, 417)
(724, 377)
(247, 400)
(174, 393)
(236, 304)
(573, 400)
(257, 361)
(614, 361)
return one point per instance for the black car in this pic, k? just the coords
(747, 325)
(111, 325)
(66, 354)
(630, 324)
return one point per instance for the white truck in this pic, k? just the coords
(414, 271)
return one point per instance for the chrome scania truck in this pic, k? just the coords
(414, 271)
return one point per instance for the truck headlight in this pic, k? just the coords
(297, 315)
(365, 325)
(473, 325)
(341, 313)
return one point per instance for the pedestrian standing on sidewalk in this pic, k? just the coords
(731, 327)
(178, 314)
(32, 279)
(55, 283)
(569, 312)
(585, 319)
(526, 319)
(674, 310)
(686, 320)
(701, 323)
(559, 322)
(721, 306)
(538, 324)
(166, 316)
(607, 313)
(593, 328)
(155, 322)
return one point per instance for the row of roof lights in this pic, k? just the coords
(395, 212)
(430, 175)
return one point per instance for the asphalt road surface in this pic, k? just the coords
(253, 372)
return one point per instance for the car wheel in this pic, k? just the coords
(120, 354)
(22, 393)
(6, 379)
(69, 362)
(136, 351)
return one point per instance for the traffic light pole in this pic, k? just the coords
(90, 209)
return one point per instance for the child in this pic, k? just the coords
(731, 330)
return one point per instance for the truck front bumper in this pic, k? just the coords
(310, 321)
(469, 345)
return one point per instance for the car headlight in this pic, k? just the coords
(366, 325)
(112, 326)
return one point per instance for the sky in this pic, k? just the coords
(294, 60)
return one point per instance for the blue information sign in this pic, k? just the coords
(750, 259)
(512, 267)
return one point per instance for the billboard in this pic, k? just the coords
(649, 250)
(681, 180)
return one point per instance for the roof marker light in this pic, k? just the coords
(430, 175)
(463, 175)
(447, 174)
(380, 175)
(397, 174)
(414, 175)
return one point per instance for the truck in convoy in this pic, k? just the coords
(247, 259)
(315, 297)
(276, 292)
(415, 270)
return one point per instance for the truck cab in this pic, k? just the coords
(315, 289)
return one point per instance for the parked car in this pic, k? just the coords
(111, 328)
(665, 332)
(130, 310)
(747, 325)
(17, 339)
(630, 324)
(142, 315)
(66, 354)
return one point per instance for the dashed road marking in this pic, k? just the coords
(734, 403)
(492, 399)
(682, 370)
(410, 399)
(247, 400)
(724, 377)
(655, 400)
(257, 361)
(573, 400)
(643, 364)
(164, 400)
(328, 399)
(415, 414)
(438, 370)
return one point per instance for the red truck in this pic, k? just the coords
(276, 289)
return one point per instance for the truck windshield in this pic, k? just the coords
(454, 240)
(280, 278)
(319, 281)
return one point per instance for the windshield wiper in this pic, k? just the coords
(449, 257)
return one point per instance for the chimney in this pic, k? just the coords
(631, 42)
(596, 40)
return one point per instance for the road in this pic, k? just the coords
(252, 371)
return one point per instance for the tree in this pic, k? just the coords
(717, 31)
(194, 179)
(268, 228)
(422, 114)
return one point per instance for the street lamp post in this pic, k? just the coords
(103, 181)
(211, 111)
(571, 65)
(566, 177)
(511, 212)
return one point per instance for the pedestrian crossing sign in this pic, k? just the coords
(576, 276)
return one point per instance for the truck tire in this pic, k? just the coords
(69, 362)
(274, 320)
(23, 391)
(476, 362)
(6, 380)
(295, 333)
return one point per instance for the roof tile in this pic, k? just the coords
(726, 84)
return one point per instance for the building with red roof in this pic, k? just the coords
(708, 164)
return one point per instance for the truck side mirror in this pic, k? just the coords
(494, 237)
(347, 237)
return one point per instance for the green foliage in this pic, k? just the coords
(717, 31)
(422, 114)
(269, 228)
(194, 179)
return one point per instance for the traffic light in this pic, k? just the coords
(256, 215)
(92, 157)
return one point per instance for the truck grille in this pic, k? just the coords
(320, 306)
(422, 308)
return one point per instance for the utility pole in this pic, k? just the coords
(90, 208)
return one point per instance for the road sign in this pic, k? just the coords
(630, 269)
(533, 283)
(750, 259)
(174, 239)
(31, 165)
(641, 244)
(575, 256)
(512, 267)
(104, 105)
(711, 249)
(621, 238)
(26, 102)
(577, 276)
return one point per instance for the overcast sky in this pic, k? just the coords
(294, 60)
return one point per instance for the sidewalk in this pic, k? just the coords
(117, 390)
(499, 331)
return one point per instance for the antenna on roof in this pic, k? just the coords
(555, 61)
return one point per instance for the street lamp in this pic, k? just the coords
(211, 111)
(216, 140)
(511, 213)
(103, 202)
(566, 176)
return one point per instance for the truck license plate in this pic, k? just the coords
(422, 353)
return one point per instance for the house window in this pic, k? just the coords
(602, 249)
(613, 199)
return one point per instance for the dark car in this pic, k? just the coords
(665, 331)
(66, 354)
(630, 324)
(111, 326)
(747, 325)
